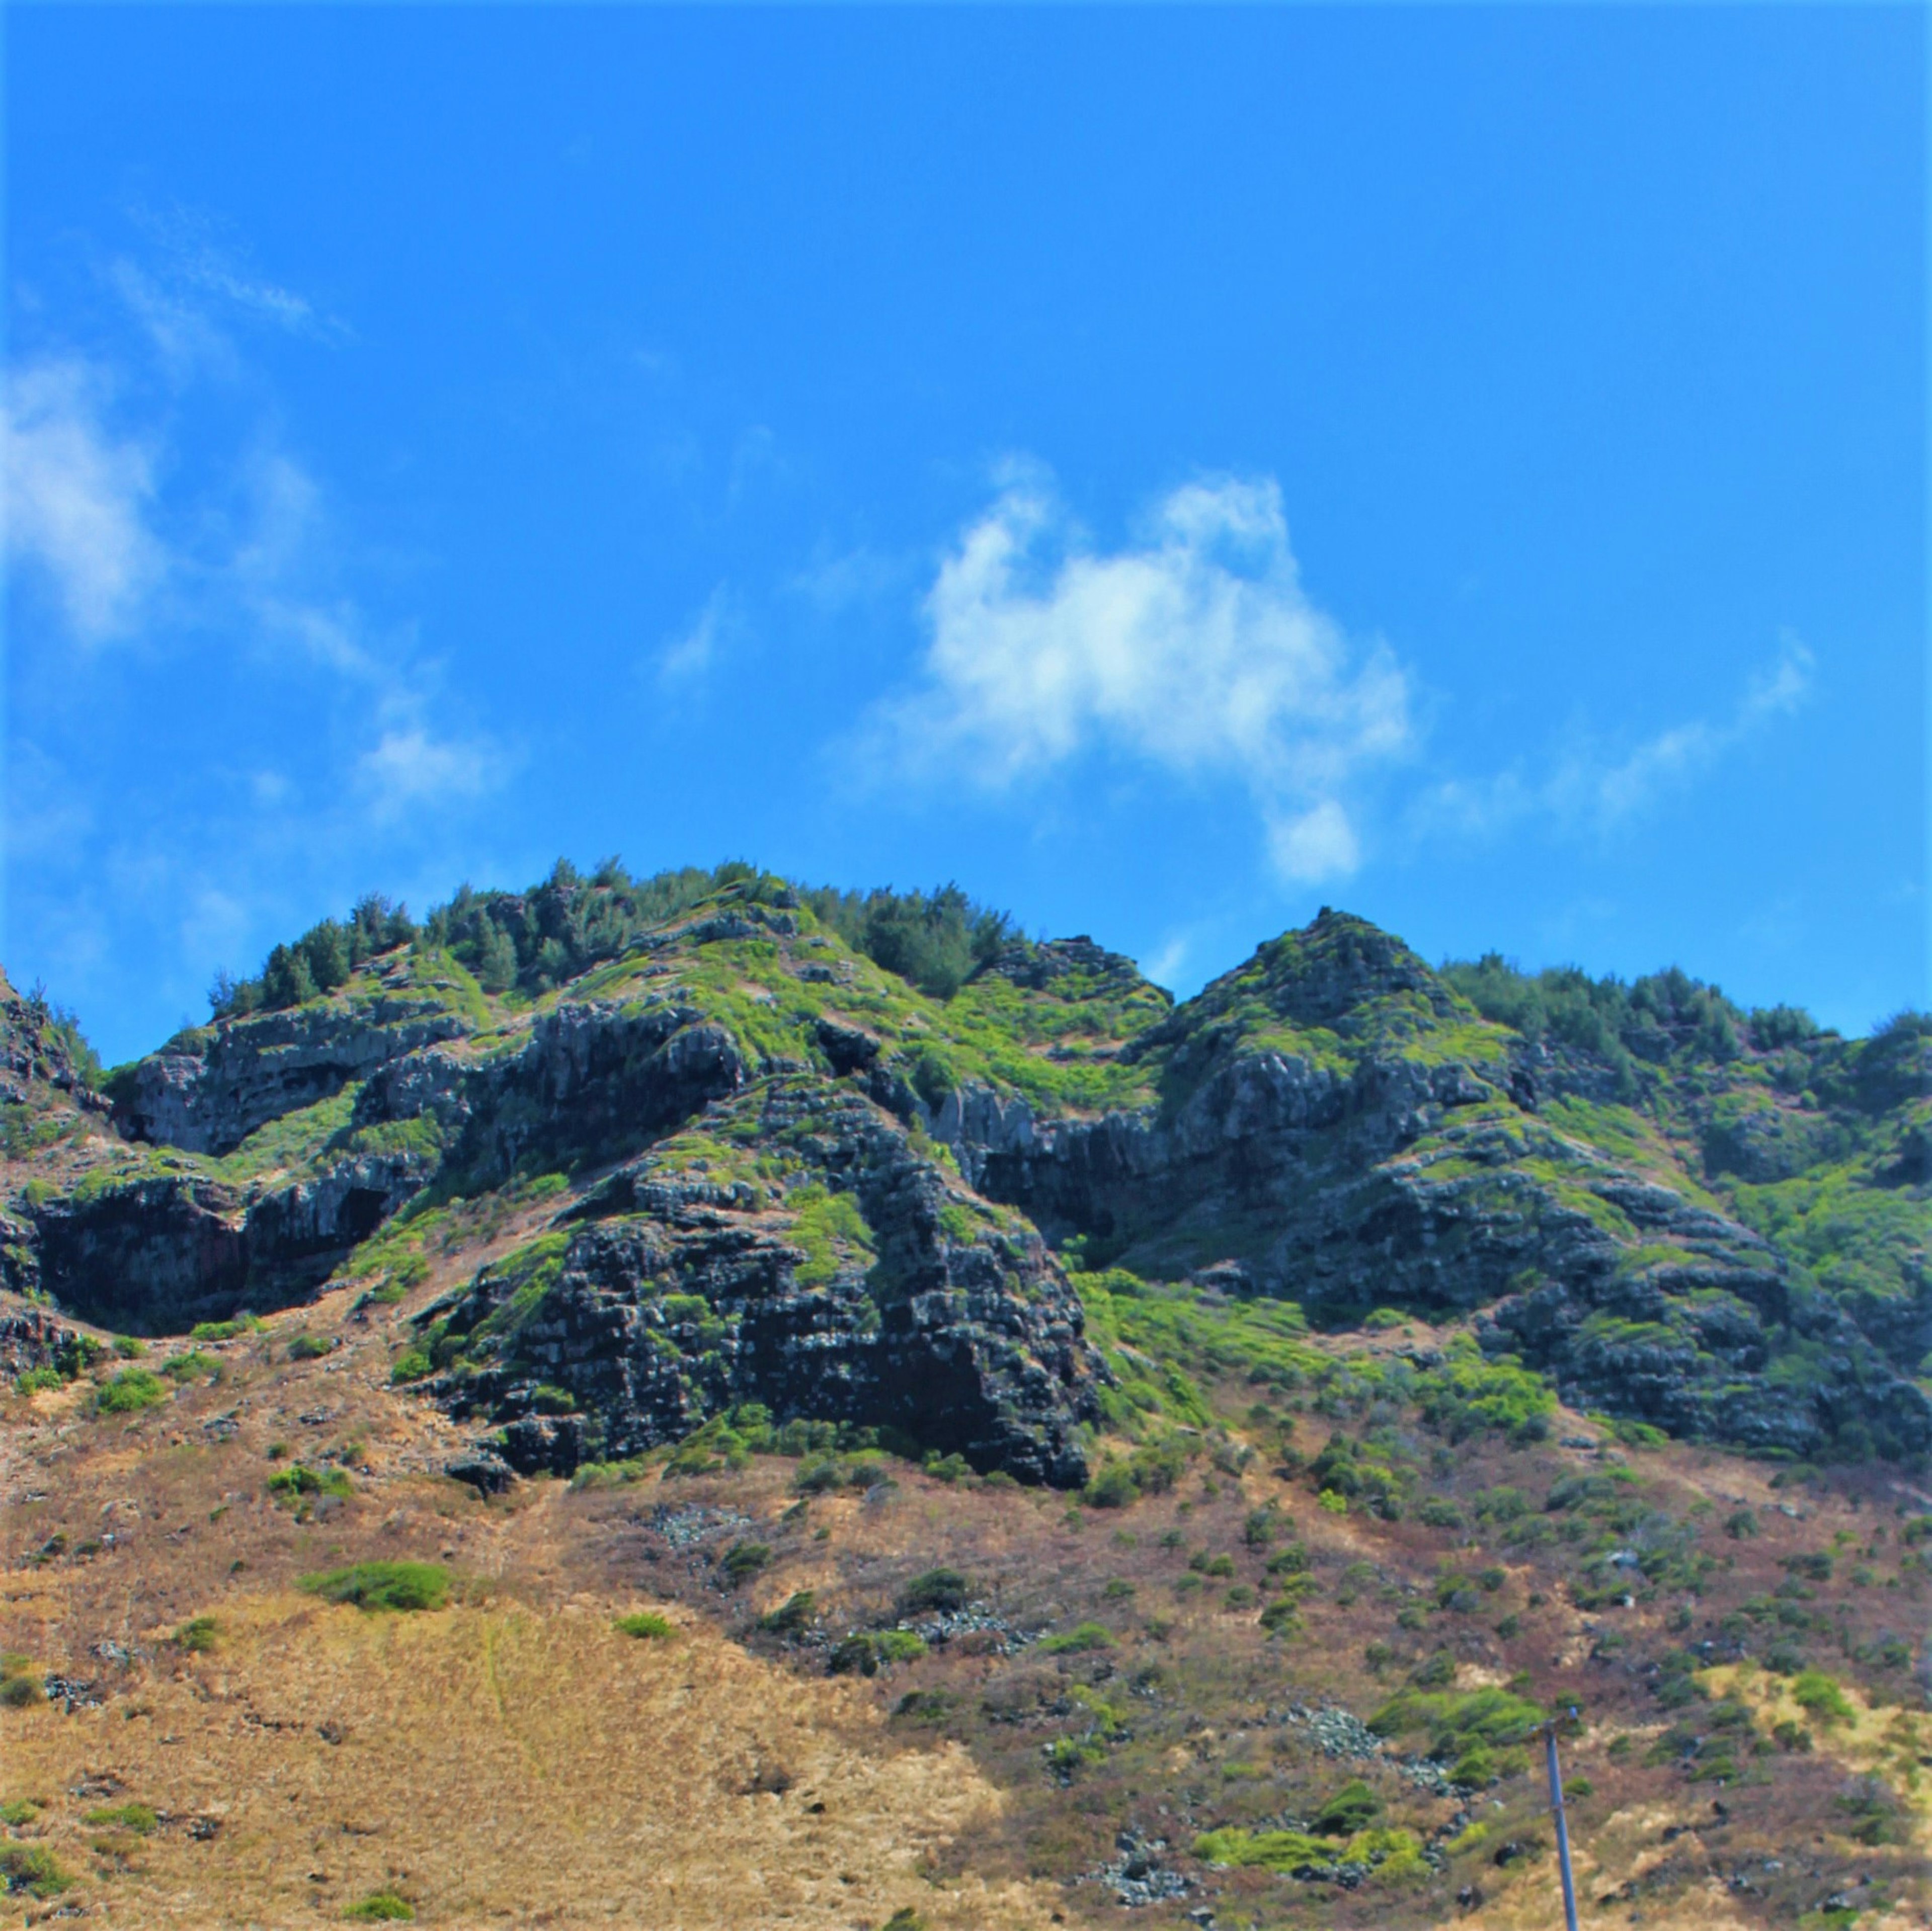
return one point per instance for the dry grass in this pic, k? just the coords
(498, 1765)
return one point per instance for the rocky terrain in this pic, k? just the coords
(1147, 1393)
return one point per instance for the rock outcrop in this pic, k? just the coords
(867, 1293)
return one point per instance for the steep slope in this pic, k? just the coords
(1653, 1212)
(816, 1243)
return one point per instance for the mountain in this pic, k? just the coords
(805, 1201)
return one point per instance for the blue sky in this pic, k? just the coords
(1167, 470)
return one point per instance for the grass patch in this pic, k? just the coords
(135, 1817)
(30, 1868)
(382, 1907)
(647, 1625)
(130, 1392)
(383, 1585)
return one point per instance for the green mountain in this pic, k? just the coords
(849, 1158)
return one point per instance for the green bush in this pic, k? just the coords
(21, 1691)
(646, 1623)
(744, 1560)
(1352, 1808)
(224, 1330)
(1819, 1697)
(20, 1811)
(794, 1613)
(186, 1367)
(299, 1479)
(413, 1364)
(383, 1585)
(30, 1868)
(198, 1635)
(130, 1391)
(38, 1380)
(310, 1346)
(936, 1590)
(382, 1907)
(1078, 1641)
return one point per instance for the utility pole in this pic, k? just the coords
(1562, 1827)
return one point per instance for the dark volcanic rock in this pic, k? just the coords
(208, 1091)
(156, 1255)
(681, 1305)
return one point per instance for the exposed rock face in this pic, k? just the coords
(591, 1077)
(1358, 1172)
(208, 1093)
(1331, 1123)
(157, 1255)
(680, 1301)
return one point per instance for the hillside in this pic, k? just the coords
(1095, 1459)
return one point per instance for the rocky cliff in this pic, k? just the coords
(783, 1175)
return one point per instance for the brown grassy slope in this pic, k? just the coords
(512, 1757)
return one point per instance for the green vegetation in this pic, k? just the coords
(1393, 1855)
(1079, 1640)
(382, 1907)
(225, 1330)
(20, 1811)
(744, 1560)
(1820, 1697)
(645, 1624)
(198, 1635)
(135, 1817)
(186, 1367)
(32, 1868)
(299, 1480)
(383, 1585)
(130, 1391)
(934, 1591)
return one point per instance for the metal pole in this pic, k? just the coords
(1562, 1827)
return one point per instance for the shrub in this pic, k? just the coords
(186, 1367)
(28, 1867)
(861, 1655)
(413, 1364)
(1820, 1697)
(646, 1623)
(197, 1635)
(135, 1817)
(21, 1810)
(299, 1479)
(36, 1380)
(383, 1585)
(224, 1330)
(744, 1560)
(1352, 1808)
(794, 1613)
(130, 1391)
(936, 1591)
(21, 1691)
(1078, 1641)
(310, 1346)
(382, 1907)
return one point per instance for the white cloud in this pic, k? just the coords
(1588, 787)
(1195, 649)
(408, 767)
(686, 659)
(1315, 844)
(77, 498)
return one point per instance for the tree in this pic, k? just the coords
(496, 957)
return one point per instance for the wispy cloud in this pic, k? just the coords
(408, 767)
(1590, 787)
(1195, 648)
(687, 658)
(78, 495)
